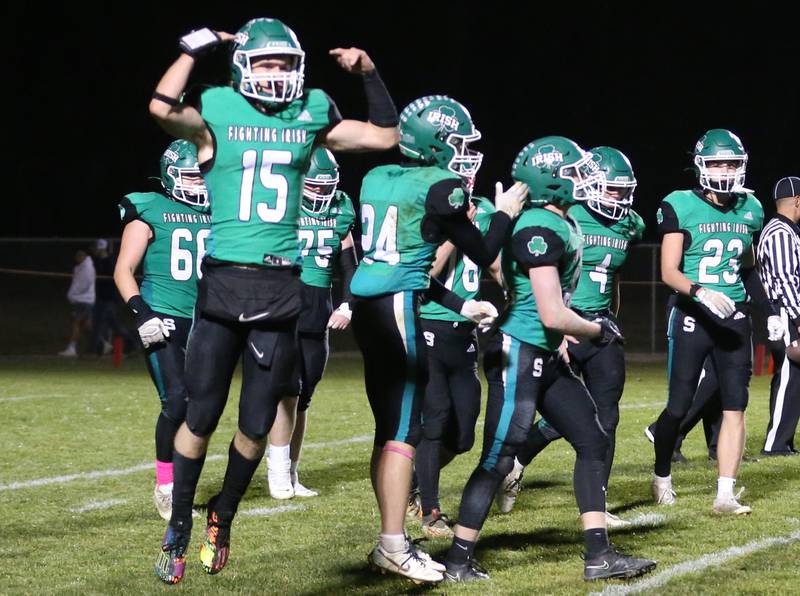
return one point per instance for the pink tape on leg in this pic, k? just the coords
(163, 472)
(400, 451)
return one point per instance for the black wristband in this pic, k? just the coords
(381, 110)
(694, 289)
(140, 309)
(170, 101)
(348, 262)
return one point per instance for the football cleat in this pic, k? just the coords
(614, 521)
(730, 505)
(414, 507)
(509, 489)
(279, 479)
(409, 563)
(162, 497)
(436, 525)
(171, 561)
(662, 492)
(217, 545)
(610, 564)
(302, 491)
(650, 432)
(467, 572)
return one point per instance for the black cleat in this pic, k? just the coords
(678, 457)
(468, 572)
(610, 564)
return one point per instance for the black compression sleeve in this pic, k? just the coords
(482, 250)
(381, 110)
(348, 261)
(441, 295)
(752, 284)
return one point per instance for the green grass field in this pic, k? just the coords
(100, 534)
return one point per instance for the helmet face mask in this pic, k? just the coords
(437, 130)
(320, 182)
(620, 184)
(264, 38)
(180, 174)
(716, 146)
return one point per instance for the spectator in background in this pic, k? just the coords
(105, 306)
(81, 298)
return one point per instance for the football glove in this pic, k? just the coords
(775, 328)
(483, 313)
(609, 331)
(717, 302)
(153, 332)
(196, 43)
(512, 200)
(342, 311)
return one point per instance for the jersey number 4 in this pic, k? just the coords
(269, 180)
(600, 273)
(182, 261)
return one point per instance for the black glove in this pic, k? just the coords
(196, 43)
(609, 332)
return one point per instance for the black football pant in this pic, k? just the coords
(784, 400)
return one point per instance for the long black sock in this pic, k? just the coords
(166, 430)
(186, 474)
(427, 468)
(667, 430)
(238, 475)
(596, 541)
(460, 551)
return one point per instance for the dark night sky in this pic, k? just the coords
(80, 135)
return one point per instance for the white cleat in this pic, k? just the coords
(411, 563)
(279, 480)
(509, 489)
(614, 521)
(162, 497)
(730, 505)
(69, 352)
(302, 491)
(662, 492)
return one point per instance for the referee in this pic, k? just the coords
(779, 267)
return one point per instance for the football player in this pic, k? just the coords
(326, 221)
(609, 227)
(168, 232)
(707, 237)
(453, 392)
(407, 210)
(254, 140)
(525, 372)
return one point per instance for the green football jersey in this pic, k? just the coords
(172, 262)
(540, 238)
(714, 237)
(255, 180)
(605, 248)
(394, 202)
(460, 275)
(321, 238)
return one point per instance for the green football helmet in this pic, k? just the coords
(267, 37)
(437, 130)
(619, 179)
(319, 185)
(180, 174)
(719, 145)
(557, 171)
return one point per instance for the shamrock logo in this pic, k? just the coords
(456, 198)
(659, 216)
(537, 246)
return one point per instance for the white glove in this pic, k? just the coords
(775, 328)
(512, 200)
(716, 302)
(199, 41)
(153, 331)
(483, 313)
(340, 318)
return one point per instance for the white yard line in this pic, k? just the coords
(641, 406)
(265, 511)
(149, 466)
(647, 519)
(710, 560)
(94, 505)
(27, 397)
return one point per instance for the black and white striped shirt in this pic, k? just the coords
(779, 264)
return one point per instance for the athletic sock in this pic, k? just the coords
(186, 474)
(460, 551)
(596, 541)
(238, 475)
(725, 487)
(393, 543)
(164, 472)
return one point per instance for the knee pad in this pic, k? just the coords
(253, 431)
(174, 408)
(433, 425)
(201, 420)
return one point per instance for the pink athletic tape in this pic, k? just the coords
(400, 451)
(163, 472)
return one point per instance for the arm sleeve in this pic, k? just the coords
(445, 219)
(381, 110)
(348, 261)
(752, 284)
(537, 246)
(441, 295)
